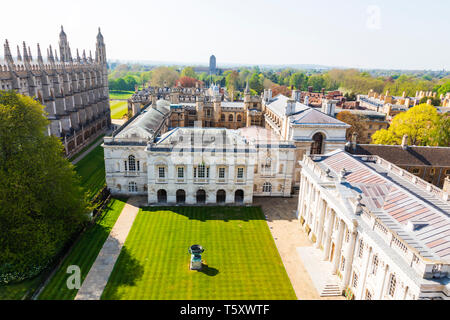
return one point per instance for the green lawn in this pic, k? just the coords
(92, 171)
(120, 95)
(86, 148)
(241, 258)
(83, 254)
(118, 109)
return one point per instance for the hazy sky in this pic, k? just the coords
(396, 34)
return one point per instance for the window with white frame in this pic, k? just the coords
(361, 248)
(131, 163)
(392, 285)
(267, 187)
(180, 172)
(375, 263)
(132, 186)
(240, 173)
(161, 172)
(201, 171)
(355, 280)
(222, 173)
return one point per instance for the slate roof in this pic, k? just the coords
(411, 156)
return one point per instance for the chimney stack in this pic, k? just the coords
(405, 142)
(353, 143)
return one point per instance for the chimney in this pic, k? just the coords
(405, 142)
(306, 101)
(269, 94)
(290, 107)
(404, 94)
(353, 143)
(329, 107)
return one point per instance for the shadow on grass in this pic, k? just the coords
(209, 271)
(127, 271)
(213, 212)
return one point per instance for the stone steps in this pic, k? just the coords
(331, 288)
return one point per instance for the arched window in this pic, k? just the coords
(239, 118)
(132, 186)
(392, 284)
(267, 187)
(222, 117)
(230, 118)
(316, 146)
(131, 163)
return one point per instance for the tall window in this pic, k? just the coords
(355, 280)
(132, 186)
(230, 118)
(180, 172)
(375, 264)
(222, 117)
(343, 263)
(239, 118)
(131, 163)
(201, 171)
(361, 248)
(240, 173)
(161, 172)
(221, 173)
(267, 187)
(392, 284)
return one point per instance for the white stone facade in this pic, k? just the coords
(384, 234)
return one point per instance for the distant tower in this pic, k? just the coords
(212, 65)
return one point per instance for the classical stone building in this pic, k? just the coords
(74, 91)
(313, 131)
(196, 165)
(385, 231)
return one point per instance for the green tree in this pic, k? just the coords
(41, 201)
(189, 72)
(256, 83)
(444, 88)
(421, 123)
(164, 76)
(232, 79)
(298, 80)
(317, 82)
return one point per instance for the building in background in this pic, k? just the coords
(74, 91)
(431, 164)
(384, 230)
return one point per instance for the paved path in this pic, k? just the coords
(95, 282)
(288, 236)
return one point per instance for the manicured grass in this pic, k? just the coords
(92, 171)
(118, 109)
(241, 259)
(86, 148)
(18, 290)
(83, 254)
(119, 95)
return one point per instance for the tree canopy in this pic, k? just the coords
(41, 201)
(164, 76)
(356, 122)
(423, 125)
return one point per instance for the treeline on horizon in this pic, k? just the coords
(349, 81)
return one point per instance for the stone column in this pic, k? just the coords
(330, 223)
(337, 251)
(386, 274)
(349, 254)
(323, 208)
(364, 275)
